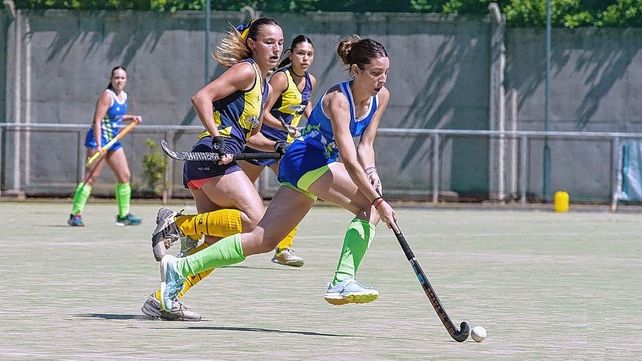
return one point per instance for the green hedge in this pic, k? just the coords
(567, 13)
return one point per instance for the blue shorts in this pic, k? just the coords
(259, 162)
(206, 169)
(302, 165)
(105, 137)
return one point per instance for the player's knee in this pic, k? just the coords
(261, 240)
(124, 177)
(250, 218)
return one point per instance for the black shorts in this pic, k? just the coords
(193, 171)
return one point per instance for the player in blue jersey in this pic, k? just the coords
(109, 118)
(289, 100)
(310, 169)
(230, 108)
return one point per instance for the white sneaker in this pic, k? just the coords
(166, 232)
(179, 311)
(350, 291)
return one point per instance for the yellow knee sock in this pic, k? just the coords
(221, 223)
(288, 241)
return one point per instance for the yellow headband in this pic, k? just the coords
(244, 29)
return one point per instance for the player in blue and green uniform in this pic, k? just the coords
(289, 100)
(109, 116)
(310, 169)
(230, 108)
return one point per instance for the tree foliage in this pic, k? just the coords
(566, 13)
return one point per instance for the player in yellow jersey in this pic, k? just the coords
(230, 108)
(289, 100)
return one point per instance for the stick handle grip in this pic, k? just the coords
(245, 156)
(113, 141)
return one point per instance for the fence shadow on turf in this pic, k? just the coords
(112, 316)
(267, 330)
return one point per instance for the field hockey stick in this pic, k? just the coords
(109, 144)
(209, 156)
(91, 172)
(464, 330)
(285, 125)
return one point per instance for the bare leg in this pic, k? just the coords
(118, 163)
(337, 187)
(285, 211)
(252, 171)
(92, 173)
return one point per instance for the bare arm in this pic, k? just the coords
(365, 149)
(257, 140)
(133, 118)
(308, 109)
(102, 104)
(239, 77)
(339, 116)
(279, 84)
(260, 142)
(336, 106)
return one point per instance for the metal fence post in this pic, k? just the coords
(169, 170)
(616, 176)
(523, 166)
(435, 168)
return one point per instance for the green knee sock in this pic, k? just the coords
(222, 253)
(123, 195)
(355, 243)
(81, 195)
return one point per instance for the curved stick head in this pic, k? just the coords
(462, 334)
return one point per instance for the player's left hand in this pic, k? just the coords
(281, 146)
(137, 118)
(293, 131)
(225, 159)
(374, 179)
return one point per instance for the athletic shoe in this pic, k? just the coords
(179, 312)
(128, 220)
(171, 282)
(166, 232)
(350, 291)
(187, 244)
(286, 257)
(75, 220)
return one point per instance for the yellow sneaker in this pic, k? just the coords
(287, 257)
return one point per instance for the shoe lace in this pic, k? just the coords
(170, 234)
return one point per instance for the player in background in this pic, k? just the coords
(230, 108)
(109, 115)
(310, 169)
(289, 100)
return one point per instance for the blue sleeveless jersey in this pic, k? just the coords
(111, 124)
(318, 131)
(316, 147)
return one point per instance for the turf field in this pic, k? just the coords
(544, 285)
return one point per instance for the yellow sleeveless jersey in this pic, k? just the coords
(289, 106)
(239, 113)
